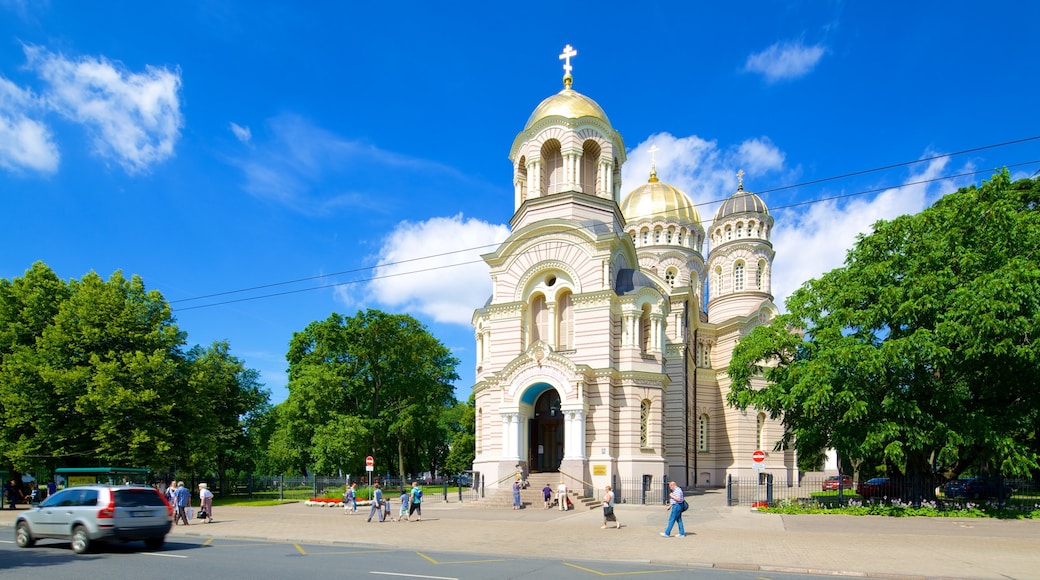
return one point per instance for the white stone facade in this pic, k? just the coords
(596, 354)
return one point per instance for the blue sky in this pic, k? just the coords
(343, 155)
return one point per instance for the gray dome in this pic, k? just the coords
(629, 280)
(739, 203)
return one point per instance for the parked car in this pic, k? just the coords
(977, 488)
(461, 481)
(832, 483)
(98, 513)
(877, 487)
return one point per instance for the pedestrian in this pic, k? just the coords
(350, 499)
(406, 502)
(377, 503)
(205, 503)
(182, 498)
(675, 507)
(547, 495)
(14, 494)
(416, 503)
(51, 488)
(516, 494)
(608, 509)
(561, 495)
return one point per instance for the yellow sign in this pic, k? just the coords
(599, 469)
(82, 480)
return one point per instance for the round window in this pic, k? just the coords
(550, 280)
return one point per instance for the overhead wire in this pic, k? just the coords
(493, 245)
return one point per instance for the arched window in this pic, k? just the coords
(668, 236)
(718, 280)
(738, 277)
(729, 233)
(539, 319)
(590, 152)
(644, 423)
(740, 230)
(565, 313)
(678, 237)
(644, 329)
(552, 167)
(521, 178)
(702, 434)
(761, 431)
(657, 236)
(760, 274)
(669, 277)
(646, 237)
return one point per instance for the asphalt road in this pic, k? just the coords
(230, 559)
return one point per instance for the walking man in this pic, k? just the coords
(675, 505)
(183, 498)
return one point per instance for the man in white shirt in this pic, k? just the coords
(561, 495)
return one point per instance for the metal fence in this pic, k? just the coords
(648, 490)
(770, 489)
(282, 487)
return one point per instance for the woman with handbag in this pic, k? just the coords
(205, 503)
(608, 510)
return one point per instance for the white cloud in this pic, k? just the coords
(787, 60)
(305, 168)
(447, 278)
(243, 134)
(700, 168)
(814, 239)
(136, 116)
(24, 142)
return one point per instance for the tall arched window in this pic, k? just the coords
(644, 423)
(678, 237)
(552, 167)
(761, 440)
(539, 319)
(646, 237)
(760, 274)
(521, 178)
(565, 313)
(657, 236)
(718, 280)
(738, 277)
(702, 434)
(669, 277)
(740, 230)
(729, 233)
(590, 152)
(644, 329)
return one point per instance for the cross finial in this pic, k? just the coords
(568, 52)
(653, 162)
(740, 180)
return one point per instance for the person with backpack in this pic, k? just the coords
(676, 502)
(416, 503)
(350, 499)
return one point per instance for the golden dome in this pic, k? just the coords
(569, 104)
(655, 200)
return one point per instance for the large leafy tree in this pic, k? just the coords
(461, 421)
(373, 384)
(923, 350)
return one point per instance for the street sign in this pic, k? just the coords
(759, 456)
(369, 463)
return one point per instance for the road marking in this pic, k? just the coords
(206, 543)
(300, 549)
(6, 542)
(432, 561)
(162, 555)
(598, 573)
(412, 575)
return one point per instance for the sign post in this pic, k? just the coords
(369, 467)
(759, 463)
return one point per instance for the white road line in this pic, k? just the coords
(412, 575)
(161, 555)
(6, 541)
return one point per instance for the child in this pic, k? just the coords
(402, 515)
(386, 511)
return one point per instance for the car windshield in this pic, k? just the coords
(878, 480)
(138, 498)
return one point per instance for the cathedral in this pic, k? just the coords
(602, 350)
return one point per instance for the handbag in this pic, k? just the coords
(685, 505)
(608, 510)
(202, 515)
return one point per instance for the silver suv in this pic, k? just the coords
(98, 513)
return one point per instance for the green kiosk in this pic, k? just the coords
(106, 475)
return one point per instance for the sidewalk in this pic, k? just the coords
(717, 536)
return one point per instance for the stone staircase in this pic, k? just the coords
(531, 497)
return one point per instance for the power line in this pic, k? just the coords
(492, 245)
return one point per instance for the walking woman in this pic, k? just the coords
(516, 494)
(608, 510)
(206, 502)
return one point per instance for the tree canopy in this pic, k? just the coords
(922, 351)
(373, 384)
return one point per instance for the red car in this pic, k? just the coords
(832, 483)
(877, 487)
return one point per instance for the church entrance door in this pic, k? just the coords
(545, 448)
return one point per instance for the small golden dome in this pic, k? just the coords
(655, 200)
(569, 104)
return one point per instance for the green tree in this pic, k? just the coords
(229, 398)
(461, 421)
(922, 350)
(373, 384)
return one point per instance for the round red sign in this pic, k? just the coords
(369, 461)
(759, 456)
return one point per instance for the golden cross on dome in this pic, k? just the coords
(740, 180)
(653, 163)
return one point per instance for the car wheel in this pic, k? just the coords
(154, 543)
(80, 540)
(23, 537)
